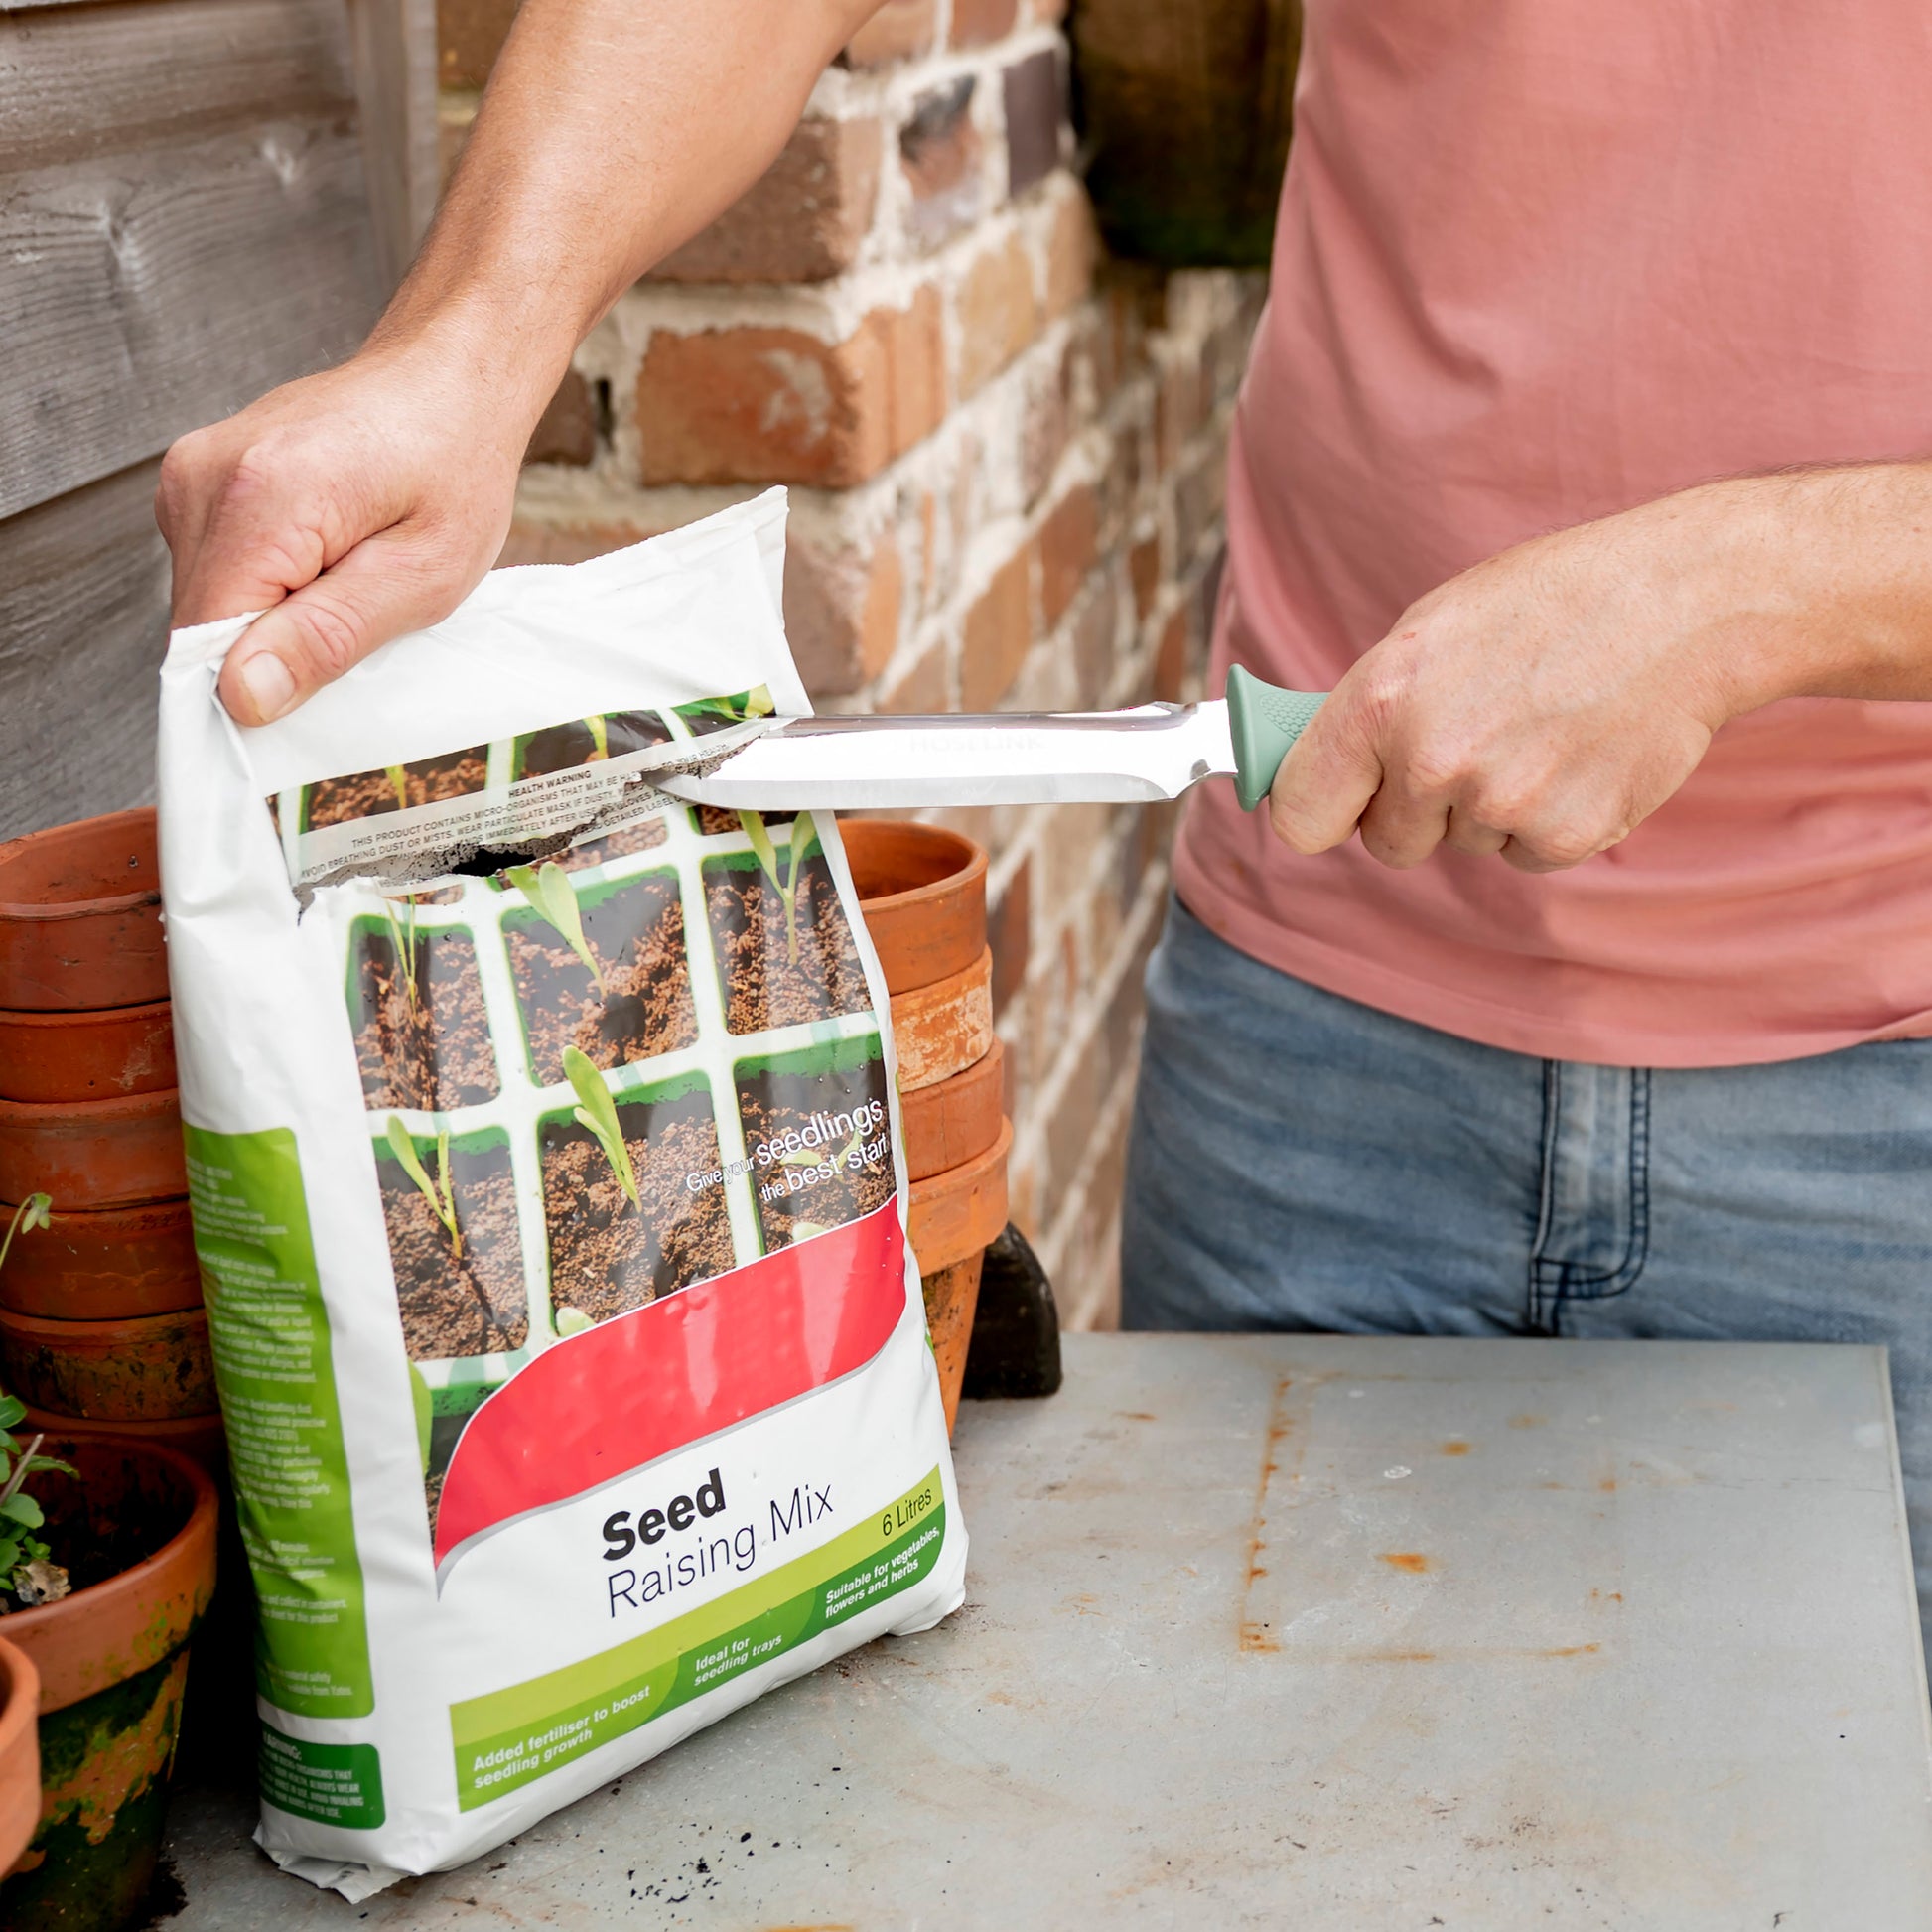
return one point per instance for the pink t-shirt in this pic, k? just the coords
(1538, 260)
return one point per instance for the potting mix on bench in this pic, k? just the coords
(549, 1185)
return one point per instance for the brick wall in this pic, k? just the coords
(1006, 458)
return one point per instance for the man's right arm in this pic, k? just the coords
(369, 499)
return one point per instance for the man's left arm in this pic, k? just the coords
(1541, 705)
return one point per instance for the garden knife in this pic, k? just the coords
(1154, 751)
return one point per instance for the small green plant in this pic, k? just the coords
(32, 1213)
(398, 777)
(438, 1193)
(25, 1563)
(784, 883)
(573, 1321)
(402, 938)
(548, 888)
(598, 1111)
(600, 738)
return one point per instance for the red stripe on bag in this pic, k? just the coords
(598, 1404)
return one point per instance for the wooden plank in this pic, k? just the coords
(80, 82)
(84, 624)
(149, 294)
(395, 43)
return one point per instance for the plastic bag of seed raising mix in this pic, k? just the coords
(544, 1144)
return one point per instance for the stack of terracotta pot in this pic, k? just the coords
(100, 1311)
(923, 890)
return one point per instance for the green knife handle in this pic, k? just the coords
(1264, 722)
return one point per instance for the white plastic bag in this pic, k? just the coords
(572, 1355)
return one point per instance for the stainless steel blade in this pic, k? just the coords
(1154, 751)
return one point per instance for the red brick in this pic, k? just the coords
(999, 634)
(1035, 91)
(975, 23)
(566, 432)
(1066, 550)
(842, 613)
(1199, 492)
(997, 312)
(1179, 408)
(1070, 250)
(922, 688)
(1144, 571)
(1069, 1127)
(902, 30)
(469, 36)
(1096, 642)
(801, 220)
(1009, 931)
(531, 542)
(944, 161)
(1170, 659)
(777, 405)
(1047, 425)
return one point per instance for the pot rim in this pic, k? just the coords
(109, 1222)
(78, 1115)
(84, 1331)
(112, 1608)
(143, 1014)
(36, 911)
(961, 879)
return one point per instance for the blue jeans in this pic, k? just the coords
(1299, 1162)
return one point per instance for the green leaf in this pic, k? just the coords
(36, 1464)
(573, 1321)
(398, 777)
(599, 1113)
(11, 1410)
(9, 1554)
(768, 853)
(23, 1509)
(758, 702)
(420, 1401)
(550, 893)
(443, 1205)
(600, 735)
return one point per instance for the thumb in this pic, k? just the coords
(1328, 779)
(389, 584)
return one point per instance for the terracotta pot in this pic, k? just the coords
(956, 1213)
(952, 1121)
(142, 1369)
(942, 1028)
(20, 1753)
(93, 1154)
(951, 1296)
(201, 1439)
(923, 891)
(81, 916)
(112, 1661)
(49, 1056)
(101, 1266)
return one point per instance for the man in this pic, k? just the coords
(1561, 295)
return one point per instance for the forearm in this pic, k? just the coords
(1809, 583)
(611, 131)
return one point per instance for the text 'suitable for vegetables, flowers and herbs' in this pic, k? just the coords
(544, 1151)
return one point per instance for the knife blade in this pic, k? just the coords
(853, 763)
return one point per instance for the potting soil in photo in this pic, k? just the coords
(545, 1157)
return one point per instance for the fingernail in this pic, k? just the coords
(270, 688)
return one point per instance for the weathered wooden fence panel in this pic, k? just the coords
(185, 222)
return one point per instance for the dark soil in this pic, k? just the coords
(366, 795)
(772, 1103)
(474, 1306)
(713, 819)
(431, 1053)
(625, 840)
(638, 936)
(762, 985)
(563, 748)
(604, 1255)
